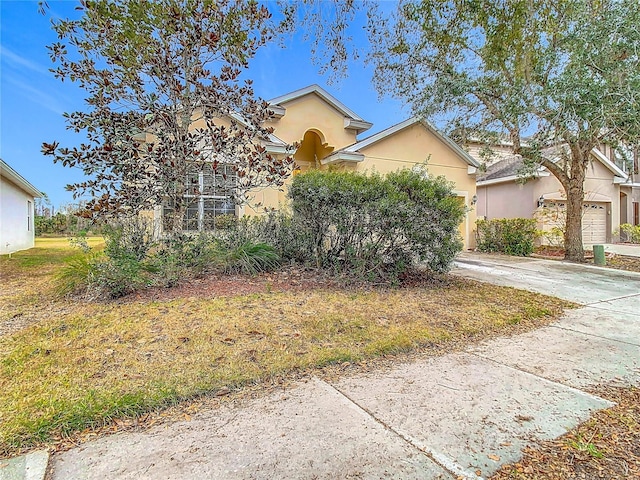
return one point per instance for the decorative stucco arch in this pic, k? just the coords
(313, 148)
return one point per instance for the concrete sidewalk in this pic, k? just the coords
(459, 415)
(629, 249)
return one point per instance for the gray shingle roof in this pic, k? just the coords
(504, 168)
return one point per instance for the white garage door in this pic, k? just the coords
(594, 220)
(594, 223)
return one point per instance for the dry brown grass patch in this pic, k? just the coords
(84, 365)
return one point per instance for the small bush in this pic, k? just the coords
(251, 258)
(121, 269)
(630, 233)
(512, 236)
(78, 275)
(182, 256)
(276, 228)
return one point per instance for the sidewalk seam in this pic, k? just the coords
(566, 329)
(612, 299)
(445, 462)
(544, 379)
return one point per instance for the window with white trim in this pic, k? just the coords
(29, 215)
(208, 195)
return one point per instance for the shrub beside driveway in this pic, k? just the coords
(90, 364)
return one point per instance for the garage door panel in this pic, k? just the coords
(594, 220)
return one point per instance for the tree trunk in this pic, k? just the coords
(573, 248)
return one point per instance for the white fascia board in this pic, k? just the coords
(619, 180)
(321, 92)
(276, 148)
(608, 163)
(342, 156)
(493, 181)
(14, 177)
(239, 118)
(271, 137)
(472, 170)
(277, 141)
(358, 125)
(510, 178)
(278, 111)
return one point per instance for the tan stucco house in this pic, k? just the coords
(17, 200)
(609, 200)
(327, 134)
(327, 131)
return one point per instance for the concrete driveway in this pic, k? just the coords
(457, 416)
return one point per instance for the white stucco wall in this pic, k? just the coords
(16, 222)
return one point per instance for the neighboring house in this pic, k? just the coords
(607, 203)
(630, 190)
(326, 132)
(17, 199)
(489, 154)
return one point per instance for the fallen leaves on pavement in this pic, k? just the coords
(607, 446)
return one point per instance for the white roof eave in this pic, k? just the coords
(617, 171)
(342, 156)
(14, 177)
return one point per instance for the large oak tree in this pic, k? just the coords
(563, 73)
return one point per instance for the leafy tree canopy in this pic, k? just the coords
(161, 76)
(555, 77)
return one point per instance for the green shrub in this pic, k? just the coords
(251, 258)
(512, 236)
(78, 275)
(181, 256)
(376, 227)
(630, 233)
(276, 228)
(120, 269)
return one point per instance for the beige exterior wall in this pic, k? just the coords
(313, 113)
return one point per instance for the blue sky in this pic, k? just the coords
(32, 100)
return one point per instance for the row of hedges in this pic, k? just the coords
(365, 227)
(512, 236)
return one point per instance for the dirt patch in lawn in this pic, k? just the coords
(607, 446)
(291, 279)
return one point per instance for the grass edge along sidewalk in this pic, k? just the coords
(93, 364)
